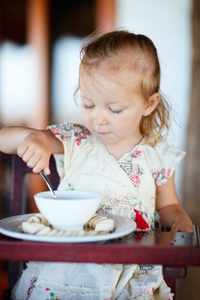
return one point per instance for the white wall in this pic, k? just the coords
(168, 24)
(65, 69)
(17, 83)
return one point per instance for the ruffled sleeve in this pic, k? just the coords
(163, 160)
(71, 131)
(74, 138)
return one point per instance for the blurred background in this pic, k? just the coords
(39, 59)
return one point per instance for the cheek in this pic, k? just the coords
(84, 116)
(121, 124)
(126, 124)
(87, 117)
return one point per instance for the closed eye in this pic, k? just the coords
(118, 111)
(88, 106)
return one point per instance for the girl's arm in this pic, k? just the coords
(33, 146)
(172, 215)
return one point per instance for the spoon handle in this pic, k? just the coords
(48, 183)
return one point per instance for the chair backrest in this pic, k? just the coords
(19, 169)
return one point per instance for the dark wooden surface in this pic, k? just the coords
(175, 251)
(166, 248)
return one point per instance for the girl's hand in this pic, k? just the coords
(35, 151)
(175, 217)
(33, 146)
(183, 224)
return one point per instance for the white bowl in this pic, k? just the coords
(70, 210)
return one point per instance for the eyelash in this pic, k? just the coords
(88, 107)
(92, 106)
(115, 112)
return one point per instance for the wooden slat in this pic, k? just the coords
(191, 186)
(105, 15)
(189, 288)
(38, 39)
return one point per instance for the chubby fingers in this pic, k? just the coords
(35, 158)
(40, 165)
(175, 228)
(185, 226)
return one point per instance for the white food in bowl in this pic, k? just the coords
(70, 210)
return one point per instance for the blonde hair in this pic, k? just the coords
(121, 50)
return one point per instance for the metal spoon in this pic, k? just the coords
(48, 183)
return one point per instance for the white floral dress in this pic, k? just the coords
(128, 188)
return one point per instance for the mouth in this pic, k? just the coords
(102, 133)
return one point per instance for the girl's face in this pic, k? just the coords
(111, 110)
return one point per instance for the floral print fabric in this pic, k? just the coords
(128, 186)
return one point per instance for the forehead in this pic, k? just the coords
(109, 88)
(108, 79)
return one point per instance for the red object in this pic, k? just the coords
(140, 221)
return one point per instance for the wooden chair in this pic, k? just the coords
(18, 206)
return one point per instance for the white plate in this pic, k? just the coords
(8, 227)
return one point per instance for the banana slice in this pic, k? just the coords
(38, 218)
(32, 228)
(40, 226)
(94, 220)
(44, 231)
(99, 223)
(105, 225)
(53, 232)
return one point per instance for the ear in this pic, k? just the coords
(152, 103)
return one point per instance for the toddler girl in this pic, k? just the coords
(121, 153)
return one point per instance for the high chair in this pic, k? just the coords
(173, 266)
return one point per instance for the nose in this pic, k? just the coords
(100, 118)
